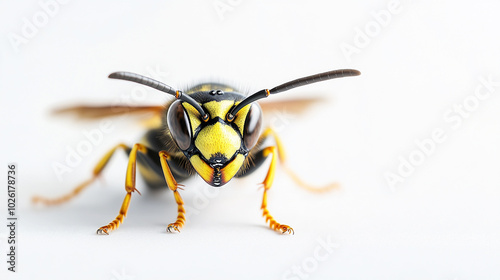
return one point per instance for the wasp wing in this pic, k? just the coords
(150, 115)
(96, 112)
(290, 106)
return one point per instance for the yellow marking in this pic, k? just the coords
(203, 169)
(241, 116)
(232, 168)
(218, 138)
(218, 108)
(194, 116)
(221, 109)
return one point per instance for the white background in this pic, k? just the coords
(441, 222)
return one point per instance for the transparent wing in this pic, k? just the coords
(290, 106)
(150, 116)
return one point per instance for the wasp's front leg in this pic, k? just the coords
(174, 186)
(256, 158)
(129, 185)
(267, 183)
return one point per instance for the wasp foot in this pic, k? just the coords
(174, 227)
(284, 229)
(103, 230)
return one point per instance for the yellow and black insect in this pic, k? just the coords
(211, 130)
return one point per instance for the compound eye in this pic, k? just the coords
(253, 124)
(179, 125)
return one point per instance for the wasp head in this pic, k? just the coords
(216, 147)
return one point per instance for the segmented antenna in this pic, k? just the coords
(136, 78)
(292, 84)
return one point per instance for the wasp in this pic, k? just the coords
(211, 130)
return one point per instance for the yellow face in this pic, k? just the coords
(217, 148)
(220, 143)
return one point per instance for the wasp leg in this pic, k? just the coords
(268, 181)
(96, 172)
(129, 187)
(172, 185)
(282, 157)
